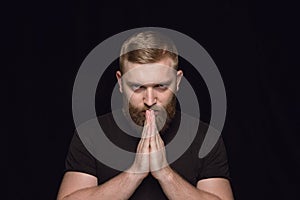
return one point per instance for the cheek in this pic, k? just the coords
(135, 99)
(166, 98)
(128, 94)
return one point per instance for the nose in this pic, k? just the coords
(150, 97)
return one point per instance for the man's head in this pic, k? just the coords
(148, 77)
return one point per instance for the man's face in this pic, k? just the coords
(150, 86)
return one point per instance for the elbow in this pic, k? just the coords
(217, 198)
(64, 198)
(67, 197)
(61, 198)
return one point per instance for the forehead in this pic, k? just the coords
(167, 61)
(149, 73)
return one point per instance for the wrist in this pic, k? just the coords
(135, 176)
(164, 174)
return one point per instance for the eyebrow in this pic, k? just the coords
(167, 82)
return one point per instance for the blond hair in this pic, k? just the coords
(147, 47)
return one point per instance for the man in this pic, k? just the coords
(148, 80)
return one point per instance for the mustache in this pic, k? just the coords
(154, 108)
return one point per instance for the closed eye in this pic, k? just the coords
(162, 86)
(137, 87)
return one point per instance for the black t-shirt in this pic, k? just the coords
(189, 166)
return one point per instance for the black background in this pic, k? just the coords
(254, 44)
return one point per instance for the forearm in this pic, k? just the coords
(176, 188)
(119, 187)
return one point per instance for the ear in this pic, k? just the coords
(119, 78)
(179, 76)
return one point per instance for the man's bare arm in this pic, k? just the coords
(76, 185)
(175, 187)
(172, 184)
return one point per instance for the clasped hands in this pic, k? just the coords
(151, 154)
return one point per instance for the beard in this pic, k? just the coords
(163, 118)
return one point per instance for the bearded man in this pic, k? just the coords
(148, 80)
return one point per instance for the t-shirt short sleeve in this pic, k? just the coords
(215, 164)
(79, 159)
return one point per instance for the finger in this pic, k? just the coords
(145, 140)
(146, 132)
(155, 133)
(146, 125)
(158, 144)
(153, 120)
(140, 145)
(149, 120)
(153, 144)
(144, 136)
(153, 123)
(151, 132)
(146, 145)
(161, 142)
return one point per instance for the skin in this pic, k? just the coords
(150, 155)
(149, 86)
